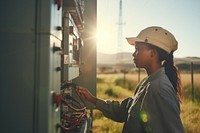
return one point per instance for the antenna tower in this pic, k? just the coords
(120, 35)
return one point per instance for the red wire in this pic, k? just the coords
(78, 118)
(73, 126)
(74, 118)
(71, 107)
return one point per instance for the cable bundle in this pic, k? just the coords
(73, 113)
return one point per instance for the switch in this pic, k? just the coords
(56, 99)
(58, 68)
(59, 4)
(56, 48)
(59, 28)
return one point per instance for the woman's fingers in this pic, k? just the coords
(84, 93)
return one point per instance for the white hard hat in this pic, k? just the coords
(156, 36)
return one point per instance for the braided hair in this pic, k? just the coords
(167, 61)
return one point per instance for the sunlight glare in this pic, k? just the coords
(105, 42)
(102, 36)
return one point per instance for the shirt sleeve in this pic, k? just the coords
(115, 110)
(160, 112)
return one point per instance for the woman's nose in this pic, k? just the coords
(133, 54)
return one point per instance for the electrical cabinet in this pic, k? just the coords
(46, 46)
(78, 61)
(30, 65)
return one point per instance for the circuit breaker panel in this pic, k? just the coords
(79, 46)
(72, 43)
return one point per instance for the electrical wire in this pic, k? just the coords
(73, 126)
(82, 108)
(78, 110)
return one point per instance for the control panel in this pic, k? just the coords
(75, 113)
(72, 43)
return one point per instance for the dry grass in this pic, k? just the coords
(186, 79)
(190, 114)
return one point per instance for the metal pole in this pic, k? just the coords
(124, 78)
(192, 81)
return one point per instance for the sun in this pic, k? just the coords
(102, 36)
(105, 41)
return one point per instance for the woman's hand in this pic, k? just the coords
(85, 94)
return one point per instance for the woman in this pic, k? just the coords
(154, 107)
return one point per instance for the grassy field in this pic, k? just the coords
(118, 86)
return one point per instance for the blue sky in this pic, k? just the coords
(180, 17)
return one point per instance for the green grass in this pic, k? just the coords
(113, 87)
(187, 92)
(104, 125)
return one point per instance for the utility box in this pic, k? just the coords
(79, 44)
(30, 58)
(43, 44)
(78, 61)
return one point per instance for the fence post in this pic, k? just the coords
(125, 72)
(192, 80)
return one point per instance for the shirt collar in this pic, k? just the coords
(159, 72)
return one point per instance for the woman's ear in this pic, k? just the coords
(154, 53)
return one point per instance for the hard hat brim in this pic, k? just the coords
(133, 40)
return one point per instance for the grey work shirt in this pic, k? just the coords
(154, 108)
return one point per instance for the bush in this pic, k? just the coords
(127, 84)
(100, 80)
(112, 93)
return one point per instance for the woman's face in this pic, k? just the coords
(142, 55)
